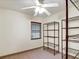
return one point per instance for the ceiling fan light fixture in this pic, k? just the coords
(50, 5)
(37, 9)
(41, 10)
(40, 7)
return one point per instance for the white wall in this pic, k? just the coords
(15, 32)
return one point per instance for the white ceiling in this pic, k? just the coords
(18, 4)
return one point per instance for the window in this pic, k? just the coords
(35, 30)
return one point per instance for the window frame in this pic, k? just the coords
(39, 32)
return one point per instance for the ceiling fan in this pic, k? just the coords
(40, 8)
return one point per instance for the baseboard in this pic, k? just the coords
(20, 52)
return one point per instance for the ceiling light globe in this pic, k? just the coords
(41, 10)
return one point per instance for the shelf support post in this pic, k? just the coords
(66, 29)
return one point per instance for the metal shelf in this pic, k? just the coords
(52, 36)
(72, 28)
(52, 30)
(75, 4)
(73, 38)
(76, 35)
(72, 50)
(77, 56)
(51, 23)
(51, 44)
(75, 41)
(72, 19)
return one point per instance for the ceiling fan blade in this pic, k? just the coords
(48, 13)
(50, 5)
(37, 2)
(36, 11)
(29, 7)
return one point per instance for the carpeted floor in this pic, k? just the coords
(35, 54)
